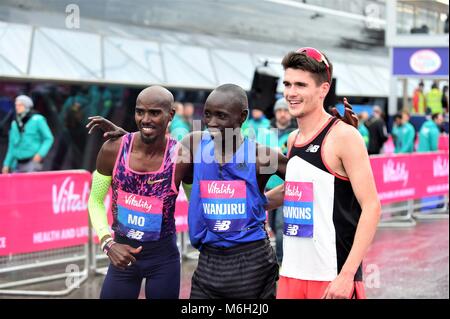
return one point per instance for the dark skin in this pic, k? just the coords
(220, 113)
(152, 115)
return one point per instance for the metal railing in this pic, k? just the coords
(406, 214)
(37, 266)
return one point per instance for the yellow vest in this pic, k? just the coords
(434, 101)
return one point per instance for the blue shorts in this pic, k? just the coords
(158, 263)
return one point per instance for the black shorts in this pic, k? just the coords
(246, 271)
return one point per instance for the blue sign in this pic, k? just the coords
(420, 61)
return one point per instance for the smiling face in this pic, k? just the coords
(302, 93)
(153, 113)
(223, 111)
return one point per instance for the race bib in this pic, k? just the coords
(298, 209)
(224, 205)
(140, 217)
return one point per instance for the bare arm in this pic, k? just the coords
(107, 155)
(185, 158)
(355, 161)
(275, 197)
(119, 255)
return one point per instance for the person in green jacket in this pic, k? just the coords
(396, 129)
(363, 117)
(405, 136)
(178, 127)
(258, 123)
(30, 139)
(429, 134)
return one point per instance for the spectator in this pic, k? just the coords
(396, 129)
(178, 127)
(406, 135)
(363, 117)
(445, 98)
(429, 134)
(284, 124)
(73, 116)
(258, 121)
(188, 114)
(446, 25)
(419, 100)
(434, 100)
(30, 139)
(377, 131)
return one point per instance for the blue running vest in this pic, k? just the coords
(226, 207)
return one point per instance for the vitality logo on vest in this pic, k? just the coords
(298, 209)
(224, 205)
(140, 217)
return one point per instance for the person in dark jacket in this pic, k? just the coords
(377, 131)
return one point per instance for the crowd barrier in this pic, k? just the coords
(45, 233)
(411, 186)
(43, 229)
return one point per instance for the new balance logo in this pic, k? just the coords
(222, 225)
(292, 230)
(135, 234)
(312, 148)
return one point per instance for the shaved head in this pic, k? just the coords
(236, 97)
(155, 95)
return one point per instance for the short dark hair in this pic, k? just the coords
(238, 96)
(397, 116)
(435, 116)
(301, 61)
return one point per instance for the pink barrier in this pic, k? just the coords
(443, 142)
(42, 211)
(48, 210)
(412, 176)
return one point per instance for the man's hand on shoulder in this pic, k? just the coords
(349, 116)
(111, 130)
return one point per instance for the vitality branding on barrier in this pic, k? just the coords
(395, 172)
(140, 217)
(65, 199)
(440, 167)
(224, 205)
(298, 209)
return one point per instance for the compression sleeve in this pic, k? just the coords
(96, 206)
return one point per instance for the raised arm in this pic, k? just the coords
(111, 130)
